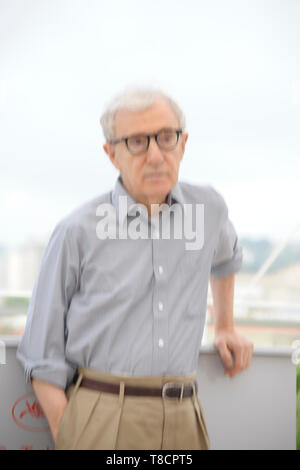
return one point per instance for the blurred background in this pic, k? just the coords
(234, 68)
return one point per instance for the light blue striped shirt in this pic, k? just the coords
(122, 305)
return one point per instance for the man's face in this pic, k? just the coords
(148, 177)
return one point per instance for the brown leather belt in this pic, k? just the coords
(169, 390)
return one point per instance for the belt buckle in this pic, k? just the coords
(172, 385)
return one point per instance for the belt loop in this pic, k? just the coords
(78, 381)
(181, 392)
(121, 393)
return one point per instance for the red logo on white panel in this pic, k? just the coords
(28, 414)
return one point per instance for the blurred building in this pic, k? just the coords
(19, 266)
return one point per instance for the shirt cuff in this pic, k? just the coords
(228, 267)
(59, 377)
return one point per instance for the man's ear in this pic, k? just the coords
(110, 150)
(184, 139)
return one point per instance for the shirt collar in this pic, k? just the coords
(174, 196)
(119, 190)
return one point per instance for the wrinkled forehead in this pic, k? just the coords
(158, 116)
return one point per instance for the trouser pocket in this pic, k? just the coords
(61, 435)
(75, 418)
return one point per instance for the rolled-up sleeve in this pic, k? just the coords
(228, 254)
(42, 348)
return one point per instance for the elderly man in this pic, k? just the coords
(118, 310)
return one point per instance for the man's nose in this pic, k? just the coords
(154, 153)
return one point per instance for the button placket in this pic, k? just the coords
(160, 314)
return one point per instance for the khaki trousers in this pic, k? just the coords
(100, 420)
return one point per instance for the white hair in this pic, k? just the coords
(136, 99)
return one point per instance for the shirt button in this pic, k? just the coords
(161, 343)
(160, 269)
(160, 306)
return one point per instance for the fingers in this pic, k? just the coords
(235, 351)
(242, 352)
(225, 354)
(238, 360)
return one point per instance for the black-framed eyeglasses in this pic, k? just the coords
(137, 144)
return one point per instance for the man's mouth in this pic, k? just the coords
(154, 176)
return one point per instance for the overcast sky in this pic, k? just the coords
(233, 66)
